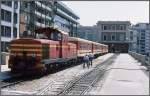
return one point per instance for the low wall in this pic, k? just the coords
(139, 57)
(4, 58)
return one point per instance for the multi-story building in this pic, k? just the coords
(9, 23)
(20, 16)
(88, 32)
(65, 19)
(35, 14)
(115, 34)
(142, 31)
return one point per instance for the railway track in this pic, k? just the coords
(11, 81)
(6, 84)
(81, 84)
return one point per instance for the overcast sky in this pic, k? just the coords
(92, 11)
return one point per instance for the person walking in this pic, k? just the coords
(86, 61)
(91, 57)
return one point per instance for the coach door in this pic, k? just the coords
(45, 51)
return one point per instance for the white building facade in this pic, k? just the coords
(142, 36)
(115, 34)
(9, 23)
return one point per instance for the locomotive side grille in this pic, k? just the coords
(29, 48)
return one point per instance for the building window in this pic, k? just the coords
(6, 31)
(131, 32)
(113, 37)
(47, 22)
(5, 15)
(122, 37)
(121, 27)
(131, 37)
(105, 37)
(4, 46)
(143, 31)
(15, 18)
(142, 34)
(15, 4)
(15, 32)
(117, 27)
(105, 27)
(8, 3)
(142, 37)
(40, 20)
(113, 27)
(2, 14)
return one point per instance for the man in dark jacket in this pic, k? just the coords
(91, 57)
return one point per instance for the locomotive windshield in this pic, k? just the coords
(49, 33)
(51, 36)
(41, 36)
(55, 36)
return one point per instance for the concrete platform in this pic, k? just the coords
(4, 68)
(126, 77)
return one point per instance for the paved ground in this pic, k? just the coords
(126, 77)
(4, 68)
(56, 80)
(5, 72)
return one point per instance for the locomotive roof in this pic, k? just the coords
(83, 40)
(79, 39)
(50, 29)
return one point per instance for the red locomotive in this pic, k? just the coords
(50, 49)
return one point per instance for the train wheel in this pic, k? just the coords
(75, 61)
(55, 67)
(51, 65)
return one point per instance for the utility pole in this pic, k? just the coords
(0, 39)
(149, 44)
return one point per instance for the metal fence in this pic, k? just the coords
(141, 58)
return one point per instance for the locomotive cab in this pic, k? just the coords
(51, 34)
(55, 35)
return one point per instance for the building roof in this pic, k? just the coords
(112, 22)
(79, 39)
(84, 40)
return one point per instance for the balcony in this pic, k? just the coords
(43, 6)
(40, 24)
(42, 15)
(66, 15)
